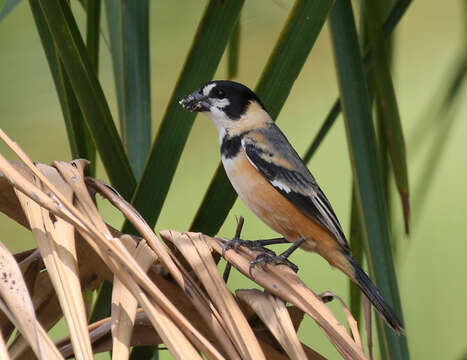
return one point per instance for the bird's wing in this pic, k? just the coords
(269, 151)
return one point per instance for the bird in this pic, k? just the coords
(276, 185)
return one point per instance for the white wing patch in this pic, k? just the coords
(280, 185)
(251, 162)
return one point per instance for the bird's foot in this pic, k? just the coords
(263, 259)
(252, 245)
(282, 258)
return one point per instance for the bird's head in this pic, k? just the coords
(227, 103)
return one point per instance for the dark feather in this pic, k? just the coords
(304, 192)
(230, 146)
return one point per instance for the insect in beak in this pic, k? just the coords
(195, 101)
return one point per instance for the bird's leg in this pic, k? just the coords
(256, 245)
(273, 241)
(282, 258)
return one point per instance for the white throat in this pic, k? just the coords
(220, 120)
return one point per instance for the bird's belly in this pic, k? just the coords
(270, 205)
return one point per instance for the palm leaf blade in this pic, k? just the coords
(93, 104)
(128, 25)
(388, 27)
(366, 169)
(212, 37)
(387, 105)
(79, 137)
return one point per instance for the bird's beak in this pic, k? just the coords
(196, 102)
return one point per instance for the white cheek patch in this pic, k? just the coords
(220, 103)
(280, 186)
(207, 89)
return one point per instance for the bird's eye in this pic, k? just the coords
(220, 94)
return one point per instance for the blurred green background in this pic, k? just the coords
(431, 264)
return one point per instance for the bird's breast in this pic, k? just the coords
(267, 203)
(247, 182)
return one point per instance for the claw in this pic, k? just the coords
(231, 244)
(264, 259)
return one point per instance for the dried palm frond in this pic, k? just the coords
(166, 292)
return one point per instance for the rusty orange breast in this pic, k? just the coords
(273, 208)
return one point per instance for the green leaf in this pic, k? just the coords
(92, 44)
(233, 54)
(385, 97)
(88, 93)
(366, 170)
(101, 307)
(356, 243)
(6, 7)
(144, 352)
(211, 38)
(113, 17)
(79, 136)
(295, 42)
(216, 204)
(128, 23)
(93, 10)
(389, 25)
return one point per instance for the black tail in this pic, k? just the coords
(372, 293)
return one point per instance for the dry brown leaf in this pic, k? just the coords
(92, 269)
(191, 311)
(197, 253)
(56, 243)
(14, 293)
(100, 333)
(3, 351)
(110, 250)
(203, 304)
(181, 301)
(177, 344)
(348, 314)
(48, 313)
(30, 266)
(274, 314)
(17, 305)
(124, 303)
(49, 350)
(158, 310)
(284, 283)
(74, 217)
(9, 203)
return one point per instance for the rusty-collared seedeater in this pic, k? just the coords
(272, 180)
